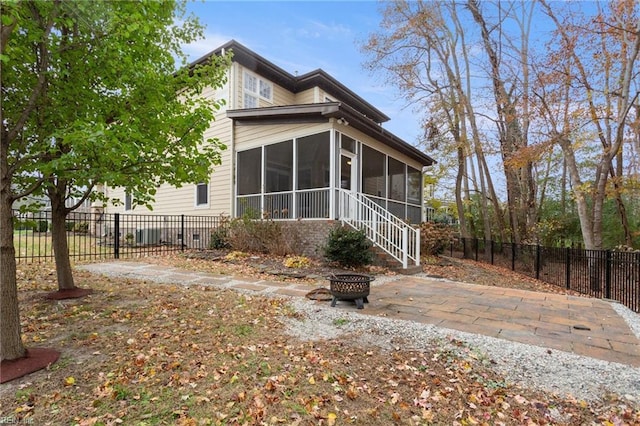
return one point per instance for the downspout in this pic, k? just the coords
(232, 142)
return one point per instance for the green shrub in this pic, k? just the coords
(81, 227)
(41, 226)
(69, 225)
(129, 238)
(22, 225)
(220, 235)
(435, 238)
(348, 247)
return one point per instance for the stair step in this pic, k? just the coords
(385, 260)
(411, 270)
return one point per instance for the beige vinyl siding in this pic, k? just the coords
(308, 96)
(220, 198)
(170, 200)
(282, 96)
(248, 137)
(217, 94)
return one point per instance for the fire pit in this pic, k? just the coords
(350, 287)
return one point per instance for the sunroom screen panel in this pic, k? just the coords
(313, 161)
(249, 171)
(397, 181)
(279, 167)
(373, 176)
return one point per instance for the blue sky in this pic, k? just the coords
(301, 36)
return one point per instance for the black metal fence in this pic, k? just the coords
(599, 273)
(94, 236)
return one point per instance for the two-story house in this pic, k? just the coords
(304, 149)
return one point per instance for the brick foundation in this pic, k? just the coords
(313, 234)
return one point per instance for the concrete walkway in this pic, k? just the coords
(584, 326)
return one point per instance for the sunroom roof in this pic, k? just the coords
(322, 112)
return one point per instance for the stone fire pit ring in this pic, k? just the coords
(350, 286)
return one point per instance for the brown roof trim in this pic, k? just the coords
(295, 84)
(325, 111)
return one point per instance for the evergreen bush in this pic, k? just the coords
(81, 227)
(41, 226)
(348, 247)
(220, 235)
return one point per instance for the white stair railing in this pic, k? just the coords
(394, 236)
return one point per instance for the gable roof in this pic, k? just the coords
(359, 113)
(296, 84)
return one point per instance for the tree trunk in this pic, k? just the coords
(59, 241)
(11, 346)
(460, 176)
(586, 219)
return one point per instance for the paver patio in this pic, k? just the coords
(584, 326)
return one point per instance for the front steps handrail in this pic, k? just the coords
(393, 235)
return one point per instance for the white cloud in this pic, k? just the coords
(201, 47)
(318, 29)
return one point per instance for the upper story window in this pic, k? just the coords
(255, 88)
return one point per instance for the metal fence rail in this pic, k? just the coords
(604, 274)
(92, 236)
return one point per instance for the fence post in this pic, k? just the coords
(607, 281)
(182, 232)
(477, 243)
(491, 248)
(635, 305)
(116, 236)
(513, 256)
(568, 269)
(537, 261)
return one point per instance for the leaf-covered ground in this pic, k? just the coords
(141, 353)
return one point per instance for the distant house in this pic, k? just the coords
(304, 149)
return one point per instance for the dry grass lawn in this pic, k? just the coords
(140, 353)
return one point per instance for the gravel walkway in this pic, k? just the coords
(525, 365)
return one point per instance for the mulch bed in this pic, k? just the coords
(36, 359)
(74, 293)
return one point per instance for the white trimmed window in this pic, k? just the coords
(255, 88)
(202, 195)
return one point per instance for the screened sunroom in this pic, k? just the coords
(301, 177)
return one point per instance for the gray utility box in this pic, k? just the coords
(148, 236)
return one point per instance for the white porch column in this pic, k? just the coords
(332, 175)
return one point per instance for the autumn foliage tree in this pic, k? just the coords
(539, 96)
(96, 92)
(587, 94)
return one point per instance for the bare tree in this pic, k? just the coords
(593, 68)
